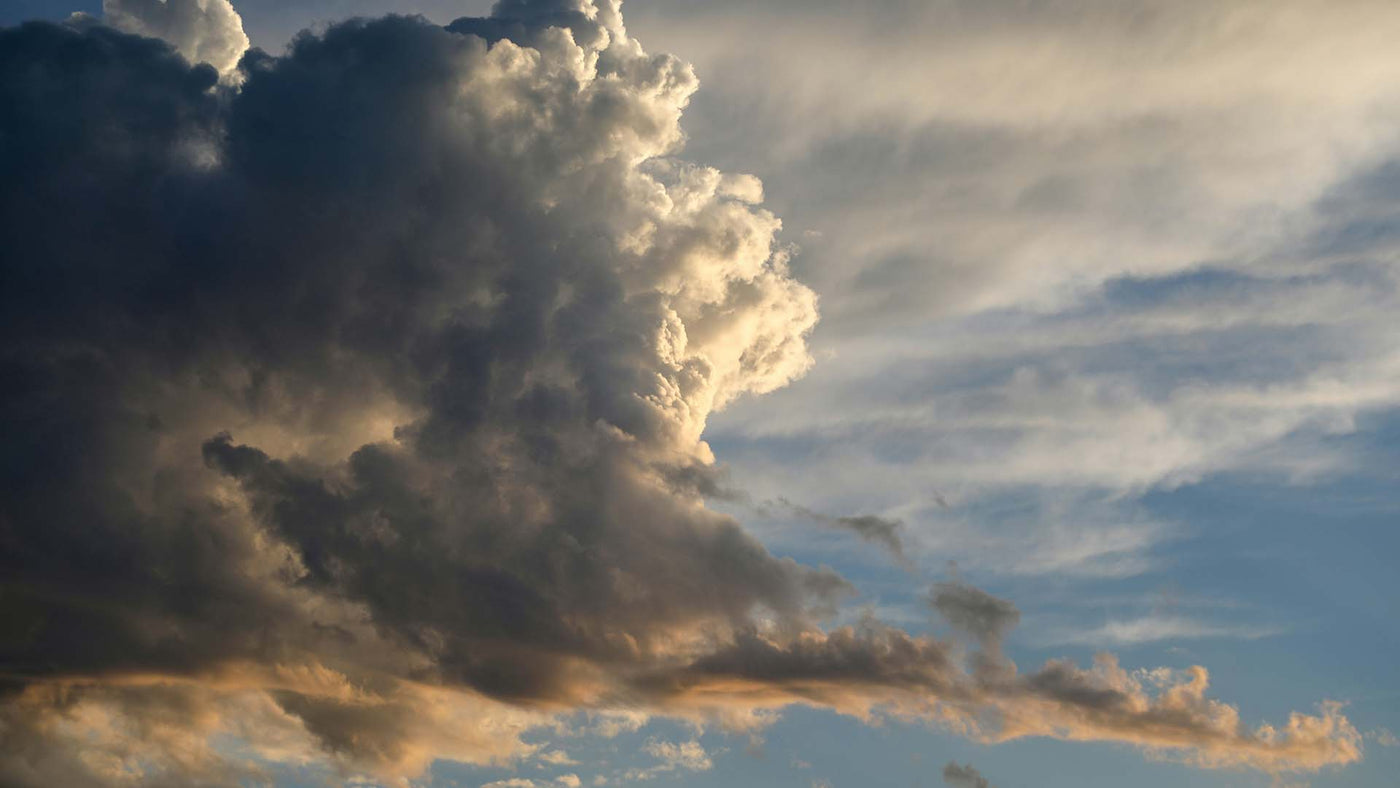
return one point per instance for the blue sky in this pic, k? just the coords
(1108, 297)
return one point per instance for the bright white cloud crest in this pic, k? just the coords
(204, 31)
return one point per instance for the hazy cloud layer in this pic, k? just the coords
(350, 406)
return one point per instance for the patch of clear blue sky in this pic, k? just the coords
(15, 11)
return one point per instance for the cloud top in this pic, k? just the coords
(204, 31)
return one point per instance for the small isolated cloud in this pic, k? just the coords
(556, 758)
(688, 756)
(881, 531)
(562, 781)
(1384, 737)
(673, 756)
(611, 724)
(964, 776)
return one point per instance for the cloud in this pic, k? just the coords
(1383, 737)
(556, 758)
(1151, 629)
(975, 612)
(874, 668)
(204, 31)
(1106, 251)
(673, 756)
(878, 530)
(964, 776)
(974, 175)
(349, 405)
(565, 780)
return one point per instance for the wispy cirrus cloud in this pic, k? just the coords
(1152, 629)
(1062, 250)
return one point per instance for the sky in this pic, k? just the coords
(767, 393)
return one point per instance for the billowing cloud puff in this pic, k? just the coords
(349, 405)
(204, 31)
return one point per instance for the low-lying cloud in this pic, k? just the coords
(349, 401)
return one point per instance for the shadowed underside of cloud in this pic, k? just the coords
(346, 400)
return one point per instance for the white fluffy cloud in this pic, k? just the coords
(204, 31)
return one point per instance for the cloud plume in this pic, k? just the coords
(350, 406)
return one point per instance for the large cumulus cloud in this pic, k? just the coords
(349, 402)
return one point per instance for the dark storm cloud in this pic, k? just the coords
(353, 402)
